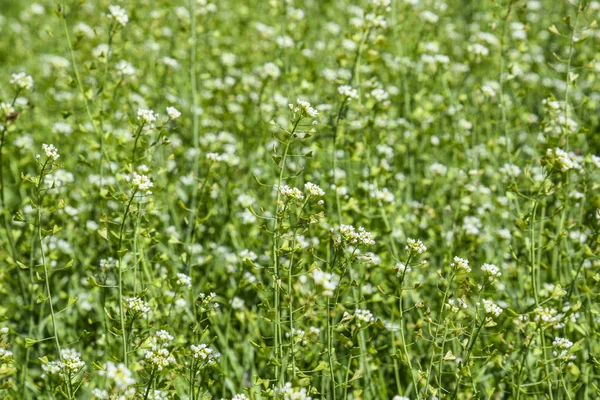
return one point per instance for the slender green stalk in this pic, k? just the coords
(43, 255)
(120, 276)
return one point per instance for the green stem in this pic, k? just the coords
(120, 277)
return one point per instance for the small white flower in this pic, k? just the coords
(147, 116)
(348, 92)
(173, 113)
(460, 264)
(118, 14)
(51, 151)
(22, 81)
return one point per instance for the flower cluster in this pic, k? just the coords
(351, 235)
(21, 81)
(348, 92)
(363, 317)
(173, 113)
(326, 280)
(561, 160)
(159, 357)
(204, 353)
(415, 246)
(288, 392)
(120, 376)
(7, 109)
(50, 151)
(118, 14)
(460, 265)
(561, 348)
(313, 190)
(291, 193)
(491, 309)
(67, 367)
(491, 271)
(184, 280)
(136, 307)
(141, 182)
(304, 108)
(147, 117)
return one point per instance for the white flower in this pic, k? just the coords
(184, 280)
(136, 306)
(141, 182)
(365, 316)
(119, 374)
(7, 109)
(118, 14)
(353, 236)
(313, 190)
(348, 92)
(291, 193)
(491, 271)
(561, 348)
(22, 81)
(50, 151)
(124, 68)
(204, 353)
(328, 281)
(173, 113)
(415, 246)
(460, 264)
(305, 108)
(270, 70)
(491, 308)
(147, 116)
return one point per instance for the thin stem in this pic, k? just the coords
(120, 275)
(43, 255)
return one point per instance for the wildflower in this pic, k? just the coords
(51, 151)
(22, 81)
(491, 308)
(270, 70)
(147, 116)
(560, 160)
(491, 271)
(288, 392)
(173, 113)
(214, 157)
(348, 92)
(136, 307)
(461, 265)
(124, 68)
(327, 281)
(68, 366)
(118, 14)
(184, 280)
(363, 316)
(204, 353)
(291, 193)
(305, 109)
(163, 336)
(415, 246)
(119, 374)
(159, 358)
(7, 109)
(313, 190)
(561, 348)
(352, 236)
(141, 182)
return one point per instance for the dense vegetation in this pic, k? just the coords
(252, 199)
